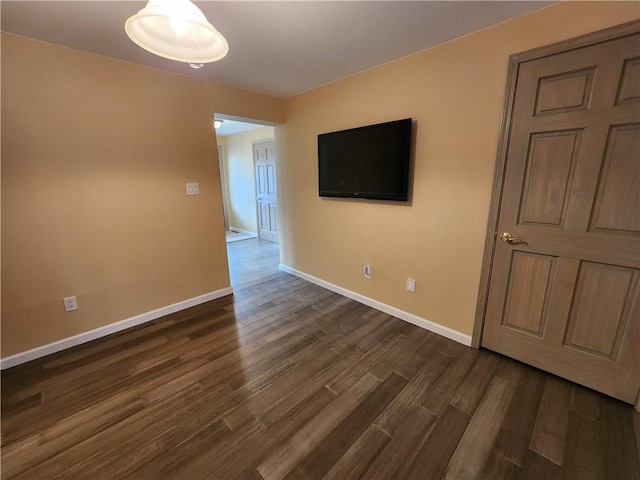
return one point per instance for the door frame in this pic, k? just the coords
(224, 183)
(515, 60)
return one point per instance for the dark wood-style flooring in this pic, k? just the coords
(289, 380)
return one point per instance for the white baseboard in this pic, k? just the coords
(69, 342)
(383, 307)
(242, 230)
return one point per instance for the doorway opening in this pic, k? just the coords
(247, 162)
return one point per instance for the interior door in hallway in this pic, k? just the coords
(266, 194)
(564, 289)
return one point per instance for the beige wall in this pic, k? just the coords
(96, 153)
(238, 158)
(95, 156)
(454, 93)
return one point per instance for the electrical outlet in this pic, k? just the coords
(411, 285)
(193, 189)
(367, 271)
(70, 304)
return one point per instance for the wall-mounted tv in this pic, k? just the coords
(366, 162)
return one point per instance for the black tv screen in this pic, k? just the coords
(367, 162)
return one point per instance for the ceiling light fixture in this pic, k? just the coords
(177, 30)
(217, 123)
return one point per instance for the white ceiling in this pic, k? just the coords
(278, 48)
(231, 127)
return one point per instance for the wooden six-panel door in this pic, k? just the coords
(266, 194)
(564, 293)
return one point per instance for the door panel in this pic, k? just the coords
(619, 183)
(564, 92)
(528, 292)
(629, 90)
(549, 177)
(563, 294)
(600, 308)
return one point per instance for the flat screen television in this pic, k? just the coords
(366, 162)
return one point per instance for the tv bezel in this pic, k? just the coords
(391, 196)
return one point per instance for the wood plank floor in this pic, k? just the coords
(288, 380)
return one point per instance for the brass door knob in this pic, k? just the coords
(506, 237)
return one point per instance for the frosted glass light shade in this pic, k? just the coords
(177, 30)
